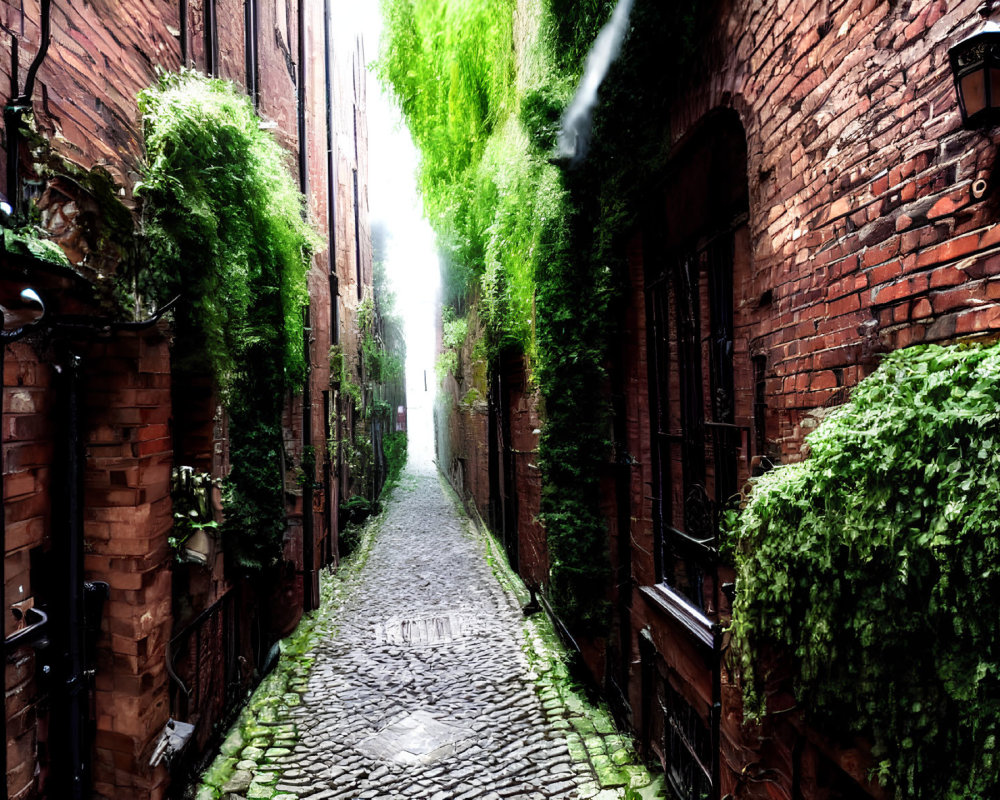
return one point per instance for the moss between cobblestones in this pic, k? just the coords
(591, 734)
(245, 765)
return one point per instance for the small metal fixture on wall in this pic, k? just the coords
(975, 64)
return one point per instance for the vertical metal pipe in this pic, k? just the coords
(45, 22)
(357, 234)
(12, 126)
(308, 543)
(716, 712)
(250, 48)
(302, 98)
(183, 13)
(3, 582)
(211, 39)
(77, 679)
(309, 599)
(331, 199)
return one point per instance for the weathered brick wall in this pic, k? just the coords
(128, 514)
(350, 235)
(465, 457)
(462, 422)
(101, 54)
(863, 236)
(863, 226)
(104, 51)
(27, 457)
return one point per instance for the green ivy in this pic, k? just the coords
(876, 563)
(535, 243)
(32, 241)
(224, 228)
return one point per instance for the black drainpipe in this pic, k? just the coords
(183, 13)
(21, 102)
(302, 96)
(77, 678)
(250, 36)
(12, 120)
(309, 594)
(331, 200)
(211, 39)
(308, 534)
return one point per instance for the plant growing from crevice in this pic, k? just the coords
(33, 242)
(875, 565)
(190, 492)
(224, 226)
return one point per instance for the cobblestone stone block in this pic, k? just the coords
(421, 678)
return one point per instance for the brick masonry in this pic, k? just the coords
(863, 236)
(88, 133)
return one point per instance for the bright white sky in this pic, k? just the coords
(411, 261)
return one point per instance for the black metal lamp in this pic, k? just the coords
(975, 63)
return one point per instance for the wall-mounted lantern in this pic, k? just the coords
(975, 63)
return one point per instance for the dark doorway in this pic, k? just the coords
(506, 374)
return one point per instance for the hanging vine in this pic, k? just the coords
(224, 228)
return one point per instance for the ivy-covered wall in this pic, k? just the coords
(533, 241)
(151, 397)
(863, 236)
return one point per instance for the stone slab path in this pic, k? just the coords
(424, 682)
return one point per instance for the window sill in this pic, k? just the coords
(678, 608)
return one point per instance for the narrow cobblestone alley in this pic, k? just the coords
(420, 685)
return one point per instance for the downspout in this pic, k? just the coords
(12, 122)
(716, 711)
(331, 200)
(302, 97)
(331, 232)
(183, 13)
(77, 680)
(211, 39)
(309, 594)
(21, 102)
(250, 28)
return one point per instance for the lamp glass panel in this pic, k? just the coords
(974, 92)
(994, 87)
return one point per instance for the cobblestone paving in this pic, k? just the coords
(425, 681)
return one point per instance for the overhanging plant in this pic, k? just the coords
(876, 564)
(224, 227)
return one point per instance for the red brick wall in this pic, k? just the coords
(128, 514)
(27, 457)
(95, 53)
(101, 54)
(532, 551)
(862, 224)
(863, 236)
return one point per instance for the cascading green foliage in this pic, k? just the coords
(538, 244)
(451, 64)
(605, 197)
(224, 226)
(876, 561)
(224, 223)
